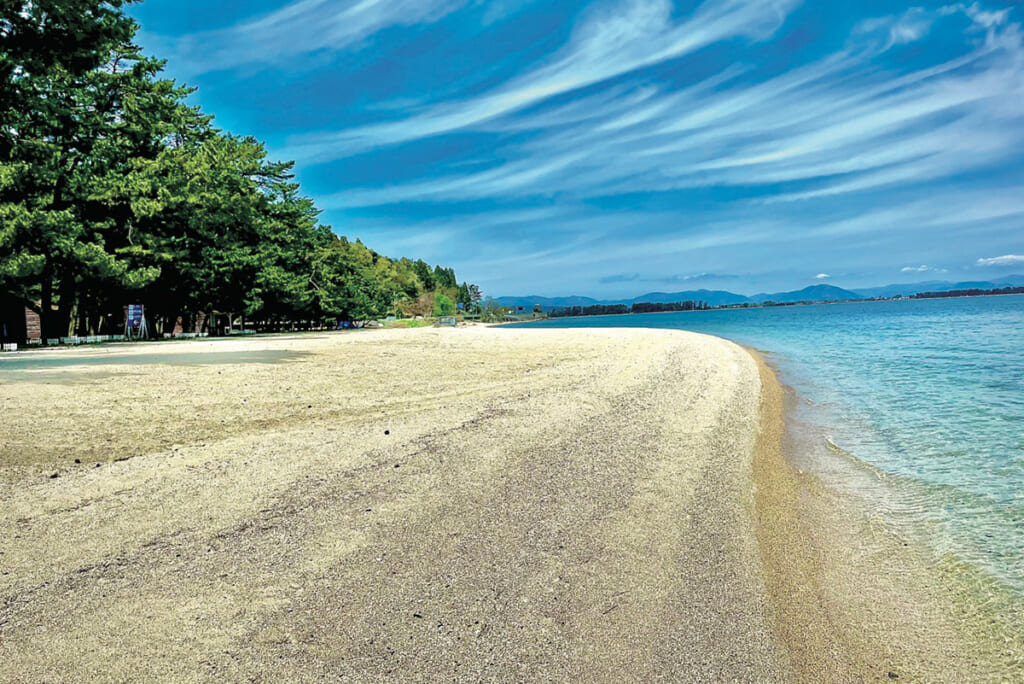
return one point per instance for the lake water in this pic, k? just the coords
(927, 394)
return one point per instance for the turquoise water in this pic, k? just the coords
(928, 393)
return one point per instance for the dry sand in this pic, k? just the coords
(466, 504)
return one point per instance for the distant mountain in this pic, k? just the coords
(709, 297)
(1010, 281)
(907, 289)
(814, 293)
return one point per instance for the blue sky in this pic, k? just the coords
(617, 147)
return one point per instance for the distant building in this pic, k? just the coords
(18, 323)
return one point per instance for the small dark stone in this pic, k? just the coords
(397, 465)
(417, 615)
(54, 476)
(387, 432)
(97, 465)
(310, 406)
(78, 460)
(893, 675)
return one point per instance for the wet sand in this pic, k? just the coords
(854, 601)
(414, 505)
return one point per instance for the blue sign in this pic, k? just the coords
(135, 315)
(461, 306)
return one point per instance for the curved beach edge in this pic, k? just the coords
(850, 599)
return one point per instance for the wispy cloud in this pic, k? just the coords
(498, 10)
(822, 276)
(1005, 260)
(672, 279)
(301, 28)
(908, 27)
(617, 39)
(837, 125)
(923, 268)
(690, 277)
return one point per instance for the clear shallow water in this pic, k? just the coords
(930, 393)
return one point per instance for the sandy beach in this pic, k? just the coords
(470, 504)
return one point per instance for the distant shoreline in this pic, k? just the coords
(740, 307)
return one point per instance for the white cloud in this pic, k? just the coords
(622, 38)
(822, 276)
(887, 32)
(301, 28)
(922, 269)
(985, 19)
(1005, 260)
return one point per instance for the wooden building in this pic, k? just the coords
(18, 323)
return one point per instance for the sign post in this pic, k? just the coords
(135, 322)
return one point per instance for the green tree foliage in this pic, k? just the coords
(444, 278)
(348, 282)
(79, 112)
(425, 275)
(443, 305)
(113, 190)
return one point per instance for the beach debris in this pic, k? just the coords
(893, 675)
(54, 476)
(387, 432)
(78, 460)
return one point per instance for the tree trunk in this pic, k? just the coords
(46, 317)
(67, 306)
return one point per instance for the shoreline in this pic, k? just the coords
(851, 598)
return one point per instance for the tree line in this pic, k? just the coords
(617, 309)
(972, 292)
(113, 190)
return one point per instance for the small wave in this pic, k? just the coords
(836, 449)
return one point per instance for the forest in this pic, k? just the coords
(114, 190)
